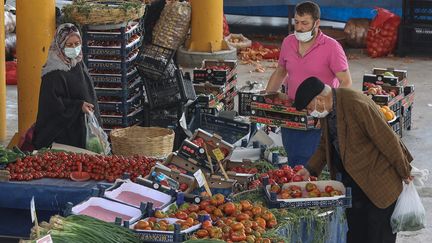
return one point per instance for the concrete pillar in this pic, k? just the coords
(35, 31)
(206, 26)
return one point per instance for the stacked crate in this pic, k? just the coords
(165, 86)
(109, 55)
(276, 110)
(215, 84)
(401, 104)
(415, 31)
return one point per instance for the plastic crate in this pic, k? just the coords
(397, 126)
(344, 200)
(381, 80)
(118, 77)
(123, 120)
(186, 86)
(162, 93)
(153, 60)
(292, 121)
(215, 71)
(419, 12)
(124, 90)
(99, 64)
(415, 39)
(161, 117)
(244, 103)
(400, 74)
(189, 165)
(121, 34)
(230, 130)
(208, 88)
(407, 118)
(122, 106)
(121, 48)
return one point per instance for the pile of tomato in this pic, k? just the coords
(231, 222)
(61, 164)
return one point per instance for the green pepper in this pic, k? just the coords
(4, 159)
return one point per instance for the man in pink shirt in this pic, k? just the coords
(308, 52)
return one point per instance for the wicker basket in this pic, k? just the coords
(100, 12)
(147, 141)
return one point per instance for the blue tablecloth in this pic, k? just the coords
(335, 232)
(51, 196)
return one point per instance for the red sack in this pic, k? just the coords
(11, 77)
(382, 34)
(226, 31)
(26, 140)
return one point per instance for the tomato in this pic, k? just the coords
(246, 205)
(238, 236)
(297, 178)
(202, 233)
(206, 224)
(181, 215)
(215, 232)
(242, 216)
(261, 222)
(279, 173)
(329, 189)
(237, 226)
(229, 208)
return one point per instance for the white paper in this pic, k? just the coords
(245, 153)
(45, 239)
(32, 210)
(199, 176)
(262, 137)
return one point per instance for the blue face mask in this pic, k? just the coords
(72, 52)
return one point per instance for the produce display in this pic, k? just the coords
(310, 190)
(258, 52)
(81, 228)
(232, 222)
(284, 175)
(9, 155)
(160, 224)
(61, 164)
(388, 114)
(375, 89)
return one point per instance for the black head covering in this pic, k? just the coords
(307, 90)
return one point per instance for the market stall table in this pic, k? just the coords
(51, 196)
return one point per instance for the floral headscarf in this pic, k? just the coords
(57, 60)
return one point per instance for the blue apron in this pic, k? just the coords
(300, 145)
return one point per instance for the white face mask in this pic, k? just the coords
(72, 52)
(318, 114)
(305, 36)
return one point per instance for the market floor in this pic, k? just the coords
(418, 140)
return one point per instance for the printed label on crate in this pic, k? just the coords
(94, 51)
(153, 237)
(218, 154)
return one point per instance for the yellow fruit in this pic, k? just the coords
(390, 115)
(386, 108)
(372, 91)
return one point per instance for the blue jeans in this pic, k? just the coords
(300, 145)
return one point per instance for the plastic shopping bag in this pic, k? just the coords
(420, 176)
(409, 213)
(97, 139)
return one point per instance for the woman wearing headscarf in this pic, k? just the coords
(66, 93)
